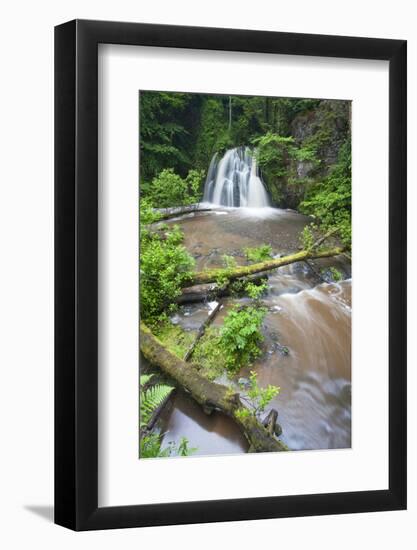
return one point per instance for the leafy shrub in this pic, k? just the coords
(255, 291)
(240, 336)
(169, 189)
(258, 398)
(272, 153)
(150, 447)
(165, 267)
(330, 200)
(147, 214)
(307, 237)
(306, 154)
(258, 254)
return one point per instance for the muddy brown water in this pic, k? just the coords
(310, 317)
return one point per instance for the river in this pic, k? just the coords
(310, 317)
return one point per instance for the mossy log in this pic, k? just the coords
(174, 211)
(210, 395)
(212, 275)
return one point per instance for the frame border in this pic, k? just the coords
(76, 271)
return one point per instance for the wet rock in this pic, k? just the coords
(278, 429)
(244, 382)
(346, 393)
(283, 350)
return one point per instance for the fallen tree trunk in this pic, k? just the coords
(212, 291)
(200, 293)
(212, 275)
(202, 330)
(174, 211)
(210, 395)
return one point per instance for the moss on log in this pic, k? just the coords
(212, 275)
(210, 395)
(174, 211)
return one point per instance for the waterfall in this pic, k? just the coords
(234, 180)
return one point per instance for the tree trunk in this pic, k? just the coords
(210, 395)
(212, 291)
(174, 211)
(212, 275)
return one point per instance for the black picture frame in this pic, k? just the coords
(76, 273)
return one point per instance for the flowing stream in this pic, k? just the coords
(308, 316)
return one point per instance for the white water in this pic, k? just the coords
(235, 180)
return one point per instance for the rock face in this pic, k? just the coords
(326, 128)
(318, 134)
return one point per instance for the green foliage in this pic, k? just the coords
(334, 273)
(258, 254)
(164, 132)
(222, 279)
(145, 379)
(306, 154)
(147, 213)
(151, 397)
(174, 337)
(272, 153)
(151, 447)
(181, 131)
(258, 398)
(240, 336)
(209, 355)
(242, 413)
(232, 346)
(330, 200)
(307, 237)
(165, 267)
(183, 449)
(169, 189)
(328, 124)
(255, 291)
(213, 135)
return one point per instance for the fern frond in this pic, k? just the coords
(144, 379)
(151, 399)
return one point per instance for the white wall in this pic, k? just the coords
(26, 299)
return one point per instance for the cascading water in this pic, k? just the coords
(235, 180)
